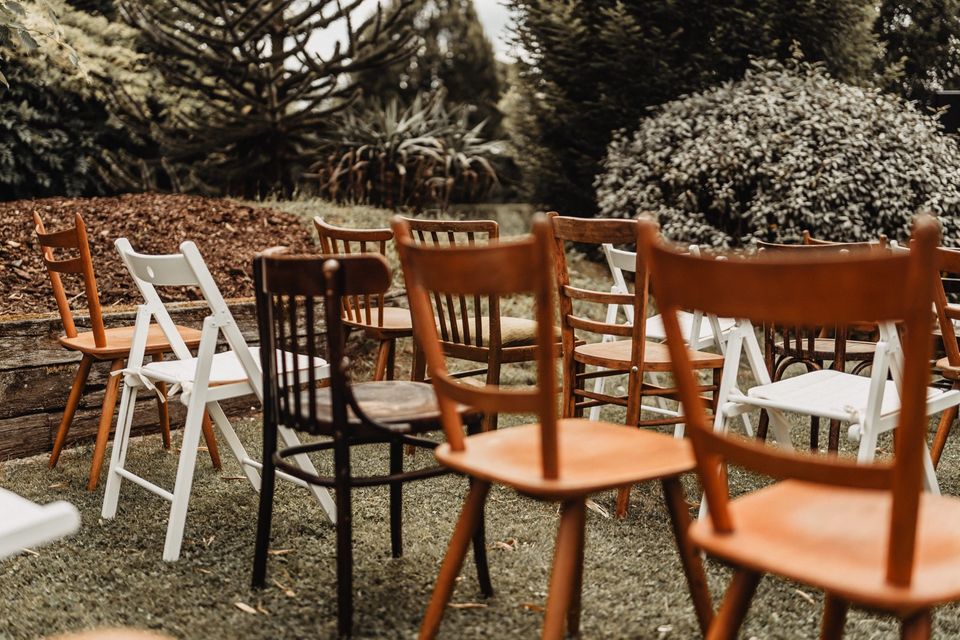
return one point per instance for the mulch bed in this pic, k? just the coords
(227, 233)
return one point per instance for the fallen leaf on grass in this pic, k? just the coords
(57, 485)
(262, 610)
(233, 477)
(30, 551)
(245, 608)
(530, 606)
(279, 552)
(805, 596)
(204, 571)
(507, 545)
(290, 593)
(467, 605)
(593, 506)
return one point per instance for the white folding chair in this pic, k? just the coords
(202, 381)
(25, 524)
(696, 333)
(870, 405)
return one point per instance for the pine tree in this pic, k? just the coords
(452, 53)
(266, 87)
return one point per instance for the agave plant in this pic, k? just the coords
(425, 154)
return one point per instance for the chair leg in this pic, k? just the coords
(418, 372)
(265, 511)
(396, 500)
(383, 355)
(480, 538)
(814, 433)
(735, 605)
(162, 409)
(103, 430)
(580, 384)
(919, 626)
(453, 560)
(943, 430)
(573, 613)
(493, 378)
(560, 596)
(634, 402)
(76, 392)
(118, 457)
(210, 438)
(833, 442)
(834, 618)
(341, 453)
(391, 360)
(184, 480)
(690, 559)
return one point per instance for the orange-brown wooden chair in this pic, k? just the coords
(556, 460)
(473, 328)
(385, 324)
(866, 535)
(100, 344)
(631, 354)
(948, 366)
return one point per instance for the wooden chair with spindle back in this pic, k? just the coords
(631, 354)
(554, 460)
(813, 347)
(385, 324)
(100, 344)
(293, 293)
(472, 328)
(866, 535)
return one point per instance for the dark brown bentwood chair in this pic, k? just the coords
(100, 344)
(288, 289)
(369, 313)
(867, 535)
(814, 347)
(631, 353)
(557, 460)
(473, 328)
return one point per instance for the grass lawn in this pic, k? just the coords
(111, 572)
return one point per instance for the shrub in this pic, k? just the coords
(422, 155)
(785, 149)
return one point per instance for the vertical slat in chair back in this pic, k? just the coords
(824, 290)
(459, 317)
(288, 289)
(73, 238)
(341, 241)
(523, 267)
(948, 263)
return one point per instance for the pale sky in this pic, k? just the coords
(495, 17)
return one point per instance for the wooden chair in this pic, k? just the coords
(813, 347)
(472, 328)
(369, 313)
(866, 535)
(553, 460)
(99, 344)
(632, 354)
(203, 382)
(380, 412)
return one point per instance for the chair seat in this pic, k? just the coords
(226, 367)
(514, 332)
(832, 394)
(826, 349)
(656, 330)
(404, 405)
(835, 539)
(947, 370)
(594, 456)
(396, 320)
(119, 340)
(656, 356)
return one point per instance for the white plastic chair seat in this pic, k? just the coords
(656, 330)
(225, 369)
(26, 524)
(831, 394)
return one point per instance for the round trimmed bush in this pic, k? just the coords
(786, 148)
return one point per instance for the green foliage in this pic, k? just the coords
(452, 54)
(594, 66)
(24, 23)
(922, 46)
(423, 155)
(59, 131)
(786, 148)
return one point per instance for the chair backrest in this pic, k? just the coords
(346, 241)
(73, 238)
(458, 316)
(521, 267)
(948, 266)
(185, 269)
(288, 289)
(598, 231)
(808, 239)
(823, 290)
